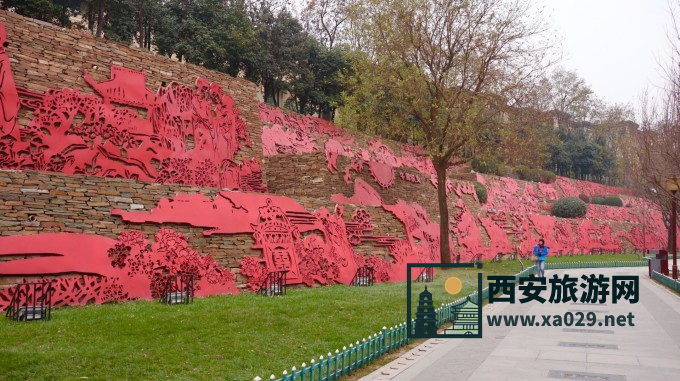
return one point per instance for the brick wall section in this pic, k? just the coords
(308, 175)
(44, 56)
(34, 202)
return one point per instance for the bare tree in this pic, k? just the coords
(658, 149)
(326, 19)
(658, 141)
(454, 66)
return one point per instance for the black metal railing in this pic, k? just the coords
(427, 275)
(31, 301)
(364, 277)
(179, 289)
(476, 259)
(274, 284)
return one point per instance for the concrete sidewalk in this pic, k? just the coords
(650, 350)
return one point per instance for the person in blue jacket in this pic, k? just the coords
(541, 252)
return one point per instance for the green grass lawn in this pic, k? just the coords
(221, 337)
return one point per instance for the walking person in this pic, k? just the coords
(541, 252)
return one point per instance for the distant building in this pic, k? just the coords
(466, 321)
(426, 317)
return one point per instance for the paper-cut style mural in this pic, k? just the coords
(178, 135)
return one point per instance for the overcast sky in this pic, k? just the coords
(615, 45)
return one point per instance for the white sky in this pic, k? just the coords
(616, 46)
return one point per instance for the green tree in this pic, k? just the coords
(317, 88)
(134, 21)
(280, 43)
(57, 12)
(452, 68)
(215, 34)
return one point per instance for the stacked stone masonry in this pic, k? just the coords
(112, 213)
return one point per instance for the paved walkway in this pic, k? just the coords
(648, 351)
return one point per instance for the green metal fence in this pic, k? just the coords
(666, 281)
(343, 362)
(586, 265)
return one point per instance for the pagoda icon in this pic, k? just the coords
(466, 321)
(426, 317)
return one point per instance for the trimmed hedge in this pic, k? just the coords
(481, 192)
(489, 166)
(585, 198)
(534, 174)
(599, 200)
(609, 200)
(569, 207)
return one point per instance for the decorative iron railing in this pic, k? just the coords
(179, 289)
(274, 284)
(427, 275)
(364, 277)
(31, 301)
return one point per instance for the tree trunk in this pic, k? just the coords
(90, 18)
(100, 19)
(140, 26)
(444, 249)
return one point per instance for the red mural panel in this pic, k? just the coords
(313, 247)
(276, 140)
(9, 98)
(525, 210)
(467, 234)
(364, 194)
(277, 236)
(383, 174)
(290, 133)
(128, 268)
(178, 135)
(411, 178)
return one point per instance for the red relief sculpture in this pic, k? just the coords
(567, 187)
(449, 184)
(422, 234)
(338, 247)
(304, 123)
(548, 191)
(75, 291)
(466, 233)
(382, 268)
(499, 243)
(465, 187)
(383, 174)
(356, 166)
(178, 135)
(295, 134)
(112, 270)
(277, 237)
(9, 98)
(364, 195)
(411, 178)
(557, 233)
(276, 140)
(278, 225)
(227, 213)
